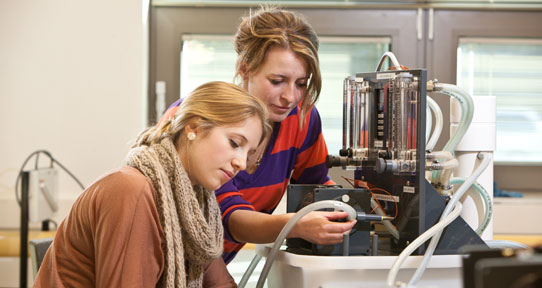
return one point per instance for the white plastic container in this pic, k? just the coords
(302, 271)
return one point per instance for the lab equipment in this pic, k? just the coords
(38, 200)
(399, 177)
(43, 194)
(384, 126)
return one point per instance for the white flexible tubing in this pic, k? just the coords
(387, 223)
(393, 61)
(446, 155)
(505, 244)
(290, 224)
(467, 111)
(439, 122)
(435, 155)
(448, 168)
(488, 205)
(249, 271)
(449, 164)
(392, 274)
(428, 124)
(486, 159)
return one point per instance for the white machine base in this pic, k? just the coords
(295, 271)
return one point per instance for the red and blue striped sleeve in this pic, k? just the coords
(293, 155)
(310, 165)
(230, 199)
(170, 112)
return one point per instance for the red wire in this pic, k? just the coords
(365, 184)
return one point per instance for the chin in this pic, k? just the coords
(278, 118)
(211, 187)
(214, 187)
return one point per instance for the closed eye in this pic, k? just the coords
(234, 144)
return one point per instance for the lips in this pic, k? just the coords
(282, 109)
(228, 174)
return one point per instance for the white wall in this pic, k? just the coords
(72, 81)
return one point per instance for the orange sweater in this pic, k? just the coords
(112, 237)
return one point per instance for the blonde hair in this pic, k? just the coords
(271, 27)
(211, 105)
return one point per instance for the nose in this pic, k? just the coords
(289, 94)
(239, 163)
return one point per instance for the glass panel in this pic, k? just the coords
(511, 70)
(212, 57)
(206, 58)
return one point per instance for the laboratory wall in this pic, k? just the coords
(72, 82)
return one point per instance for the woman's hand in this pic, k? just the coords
(317, 227)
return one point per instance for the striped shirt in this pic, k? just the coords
(294, 155)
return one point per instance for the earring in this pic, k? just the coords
(191, 136)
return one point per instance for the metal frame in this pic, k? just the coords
(449, 26)
(169, 24)
(434, 50)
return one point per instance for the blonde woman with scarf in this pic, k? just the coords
(155, 222)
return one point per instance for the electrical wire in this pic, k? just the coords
(53, 160)
(349, 181)
(19, 175)
(393, 198)
(393, 59)
(70, 173)
(377, 208)
(366, 186)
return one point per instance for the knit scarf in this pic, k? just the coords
(189, 215)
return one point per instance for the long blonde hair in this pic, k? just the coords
(269, 27)
(211, 104)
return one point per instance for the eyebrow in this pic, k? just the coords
(242, 136)
(245, 140)
(284, 76)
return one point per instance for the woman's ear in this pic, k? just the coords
(243, 73)
(192, 126)
(189, 132)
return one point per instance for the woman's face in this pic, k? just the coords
(217, 156)
(280, 82)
